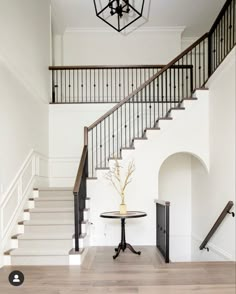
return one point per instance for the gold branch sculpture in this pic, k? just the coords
(120, 184)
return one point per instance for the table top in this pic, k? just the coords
(129, 214)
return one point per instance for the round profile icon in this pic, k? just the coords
(16, 278)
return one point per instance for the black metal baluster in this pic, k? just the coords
(117, 133)
(65, 87)
(111, 85)
(82, 85)
(137, 100)
(158, 102)
(133, 104)
(132, 80)
(109, 136)
(57, 89)
(204, 62)
(200, 67)
(73, 86)
(125, 125)
(119, 86)
(124, 83)
(61, 85)
(162, 95)
(174, 87)
(221, 44)
(107, 84)
(113, 135)
(94, 86)
(230, 25)
(69, 86)
(121, 127)
(100, 144)
(145, 101)
(195, 53)
(77, 88)
(170, 85)
(104, 143)
(92, 155)
(224, 36)
(154, 99)
(179, 78)
(127, 92)
(103, 91)
(227, 30)
(141, 110)
(86, 85)
(53, 87)
(115, 95)
(96, 146)
(233, 23)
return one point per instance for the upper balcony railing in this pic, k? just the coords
(98, 84)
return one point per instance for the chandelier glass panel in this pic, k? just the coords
(119, 14)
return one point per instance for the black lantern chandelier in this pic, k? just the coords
(119, 14)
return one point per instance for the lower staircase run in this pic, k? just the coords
(47, 236)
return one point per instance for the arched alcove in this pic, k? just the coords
(175, 185)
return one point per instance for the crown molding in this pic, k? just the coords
(166, 29)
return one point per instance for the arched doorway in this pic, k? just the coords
(175, 185)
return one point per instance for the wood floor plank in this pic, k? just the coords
(128, 274)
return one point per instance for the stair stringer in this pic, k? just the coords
(187, 132)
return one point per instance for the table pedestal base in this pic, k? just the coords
(123, 245)
(127, 245)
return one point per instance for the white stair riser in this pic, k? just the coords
(49, 229)
(40, 260)
(84, 242)
(54, 204)
(45, 244)
(52, 215)
(86, 215)
(84, 228)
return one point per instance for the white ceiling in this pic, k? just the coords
(196, 15)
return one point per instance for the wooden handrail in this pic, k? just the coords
(74, 67)
(68, 67)
(225, 211)
(166, 67)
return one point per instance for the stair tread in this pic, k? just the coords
(39, 252)
(45, 236)
(48, 222)
(54, 198)
(56, 189)
(51, 209)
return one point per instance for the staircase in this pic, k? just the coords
(55, 221)
(47, 236)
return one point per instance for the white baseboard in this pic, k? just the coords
(222, 254)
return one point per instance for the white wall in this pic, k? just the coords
(25, 41)
(108, 47)
(24, 83)
(66, 138)
(212, 192)
(174, 137)
(175, 186)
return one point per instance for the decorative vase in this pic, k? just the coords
(123, 209)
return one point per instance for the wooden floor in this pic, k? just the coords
(129, 273)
